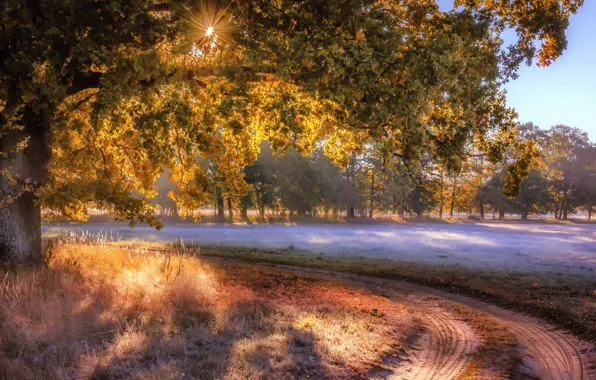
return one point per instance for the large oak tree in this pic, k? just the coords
(99, 96)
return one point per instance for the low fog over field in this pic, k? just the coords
(539, 246)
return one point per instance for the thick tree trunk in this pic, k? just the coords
(20, 213)
(481, 209)
(20, 230)
(524, 215)
(501, 214)
(590, 213)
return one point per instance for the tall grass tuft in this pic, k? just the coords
(102, 309)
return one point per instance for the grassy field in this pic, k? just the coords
(106, 312)
(564, 300)
(151, 311)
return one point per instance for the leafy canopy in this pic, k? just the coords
(123, 89)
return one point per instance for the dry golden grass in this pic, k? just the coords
(102, 311)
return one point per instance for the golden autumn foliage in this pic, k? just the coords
(109, 94)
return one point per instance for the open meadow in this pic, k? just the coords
(518, 266)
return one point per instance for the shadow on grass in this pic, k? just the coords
(58, 324)
(246, 347)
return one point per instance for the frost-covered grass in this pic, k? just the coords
(543, 247)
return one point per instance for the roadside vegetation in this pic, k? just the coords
(101, 311)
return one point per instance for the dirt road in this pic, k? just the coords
(447, 347)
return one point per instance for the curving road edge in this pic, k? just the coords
(548, 353)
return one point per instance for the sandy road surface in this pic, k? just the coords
(548, 354)
(512, 246)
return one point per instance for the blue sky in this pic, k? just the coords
(565, 92)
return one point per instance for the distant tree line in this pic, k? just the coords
(561, 183)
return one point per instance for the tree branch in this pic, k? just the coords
(78, 104)
(161, 7)
(409, 171)
(81, 81)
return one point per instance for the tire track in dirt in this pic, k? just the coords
(445, 348)
(447, 345)
(547, 352)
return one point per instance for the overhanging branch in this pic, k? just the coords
(407, 165)
(82, 81)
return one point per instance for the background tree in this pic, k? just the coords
(587, 183)
(565, 168)
(420, 201)
(492, 194)
(534, 197)
(332, 179)
(261, 176)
